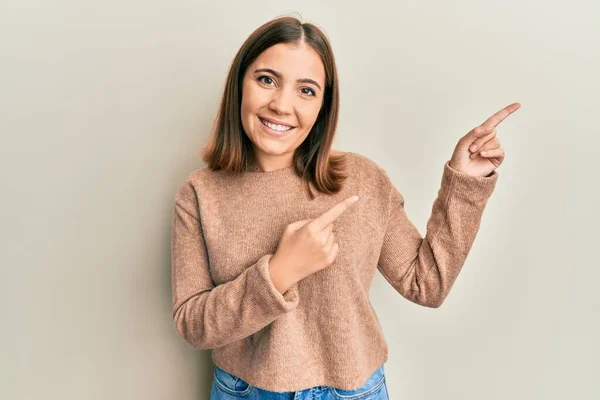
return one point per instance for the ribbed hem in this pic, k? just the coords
(467, 186)
(273, 298)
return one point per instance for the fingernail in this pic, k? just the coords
(473, 147)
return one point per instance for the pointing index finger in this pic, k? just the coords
(330, 215)
(498, 117)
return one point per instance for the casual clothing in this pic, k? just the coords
(323, 331)
(225, 385)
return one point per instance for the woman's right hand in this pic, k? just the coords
(306, 246)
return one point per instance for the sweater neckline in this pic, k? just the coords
(283, 170)
(256, 175)
(254, 171)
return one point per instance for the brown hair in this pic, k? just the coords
(230, 150)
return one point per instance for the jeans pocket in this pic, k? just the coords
(230, 383)
(373, 385)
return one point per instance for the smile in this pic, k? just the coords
(275, 129)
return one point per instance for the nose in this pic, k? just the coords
(281, 103)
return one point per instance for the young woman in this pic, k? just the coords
(276, 240)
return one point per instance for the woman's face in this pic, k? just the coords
(284, 85)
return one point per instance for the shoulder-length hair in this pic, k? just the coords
(229, 148)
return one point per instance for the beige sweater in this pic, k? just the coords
(323, 331)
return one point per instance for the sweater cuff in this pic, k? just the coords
(468, 186)
(274, 300)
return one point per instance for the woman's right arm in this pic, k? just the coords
(209, 316)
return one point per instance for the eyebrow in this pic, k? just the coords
(279, 75)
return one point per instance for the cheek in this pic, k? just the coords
(247, 110)
(247, 100)
(253, 98)
(308, 114)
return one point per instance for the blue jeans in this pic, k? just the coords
(226, 386)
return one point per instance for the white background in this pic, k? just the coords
(104, 107)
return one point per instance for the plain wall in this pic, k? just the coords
(104, 107)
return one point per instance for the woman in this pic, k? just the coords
(273, 254)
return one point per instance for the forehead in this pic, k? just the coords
(293, 61)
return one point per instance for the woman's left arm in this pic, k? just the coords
(423, 269)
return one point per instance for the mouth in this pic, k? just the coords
(275, 129)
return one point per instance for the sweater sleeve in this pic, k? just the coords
(209, 316)
(423, 270)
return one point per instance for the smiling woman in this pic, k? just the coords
(275, 283)
(280, 103)
(280, 106)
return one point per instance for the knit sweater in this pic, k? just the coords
(323, 331)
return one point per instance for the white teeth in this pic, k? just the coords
(275, 127)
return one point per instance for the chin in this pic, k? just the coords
(273, 148)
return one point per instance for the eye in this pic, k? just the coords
(264, 76)
(312, 91)
(260, 79)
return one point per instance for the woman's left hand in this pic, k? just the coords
(478, 153)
